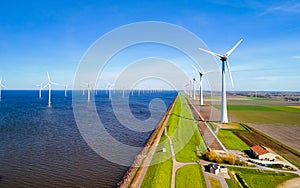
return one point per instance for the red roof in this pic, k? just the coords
(259, 149)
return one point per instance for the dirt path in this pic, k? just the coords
(208, 135)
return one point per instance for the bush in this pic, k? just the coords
(230, 158)
(219, 159)
(211, 155)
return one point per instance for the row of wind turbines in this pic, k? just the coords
(49, 84)
(225, 63)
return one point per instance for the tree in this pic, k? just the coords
(211, 155)
(219, 159)
(230, 158)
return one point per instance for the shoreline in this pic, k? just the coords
(138, 169)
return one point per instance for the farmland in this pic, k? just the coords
(231, 141)
(258, 178)
(254, 138)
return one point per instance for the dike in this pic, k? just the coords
(136, 172)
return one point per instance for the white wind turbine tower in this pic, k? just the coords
(66, 89)
(194, 90)
(49, 83)
(201, 85)
(40, 86)
(88, 91)
(1, 85)
(223, 58)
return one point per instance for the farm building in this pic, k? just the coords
(262, 153)
(216, 169)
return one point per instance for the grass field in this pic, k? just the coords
(184, 132)
(190, 176)
(159, 175)
(231, 141)
(276, 115)
(214, 182)
(258, 179)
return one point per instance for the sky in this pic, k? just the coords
(53, 36)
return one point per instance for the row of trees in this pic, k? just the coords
(228, 158)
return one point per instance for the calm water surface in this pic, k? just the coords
(42, 147)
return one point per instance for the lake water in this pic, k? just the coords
(41, 146)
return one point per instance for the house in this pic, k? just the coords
(216, 169)
(262, 153)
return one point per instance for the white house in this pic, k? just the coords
(263, 153)
(216, 169)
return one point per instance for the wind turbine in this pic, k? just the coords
(194, 90)
(201, 85)
(88, 91)
(40, 86)
(223, 58)
(1, 85)
(66, 89)
(49, 84)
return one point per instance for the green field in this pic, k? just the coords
(275, 115)
(184, 132)
(159, 175)
(231, 141)
(190, 176)
(214, 182)
(257, 179)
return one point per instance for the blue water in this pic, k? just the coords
(41, 146)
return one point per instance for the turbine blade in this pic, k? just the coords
(3, 86)
(57, 84)
(211, 53)
(49, 80)
(229, 71)
(45, 85)
(233, 48)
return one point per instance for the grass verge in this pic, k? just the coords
(190, 176)
(184, 132)
(258, 179)
(214, 182)
(159, 175)
(231, 141)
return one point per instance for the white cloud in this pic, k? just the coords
(288, 7)
(296, 57)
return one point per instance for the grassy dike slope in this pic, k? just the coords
(185, 136)
(184, 132)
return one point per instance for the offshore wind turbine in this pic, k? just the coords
(49, 84)
(1, 85)
(66, 89)
(224, 59)
(40, 86)
(88, 91)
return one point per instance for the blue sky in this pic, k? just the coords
(40, 36)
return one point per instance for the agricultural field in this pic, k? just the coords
(258, 178)
(190, 176)
(276, 119)
(231, 141)
(255, 138)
